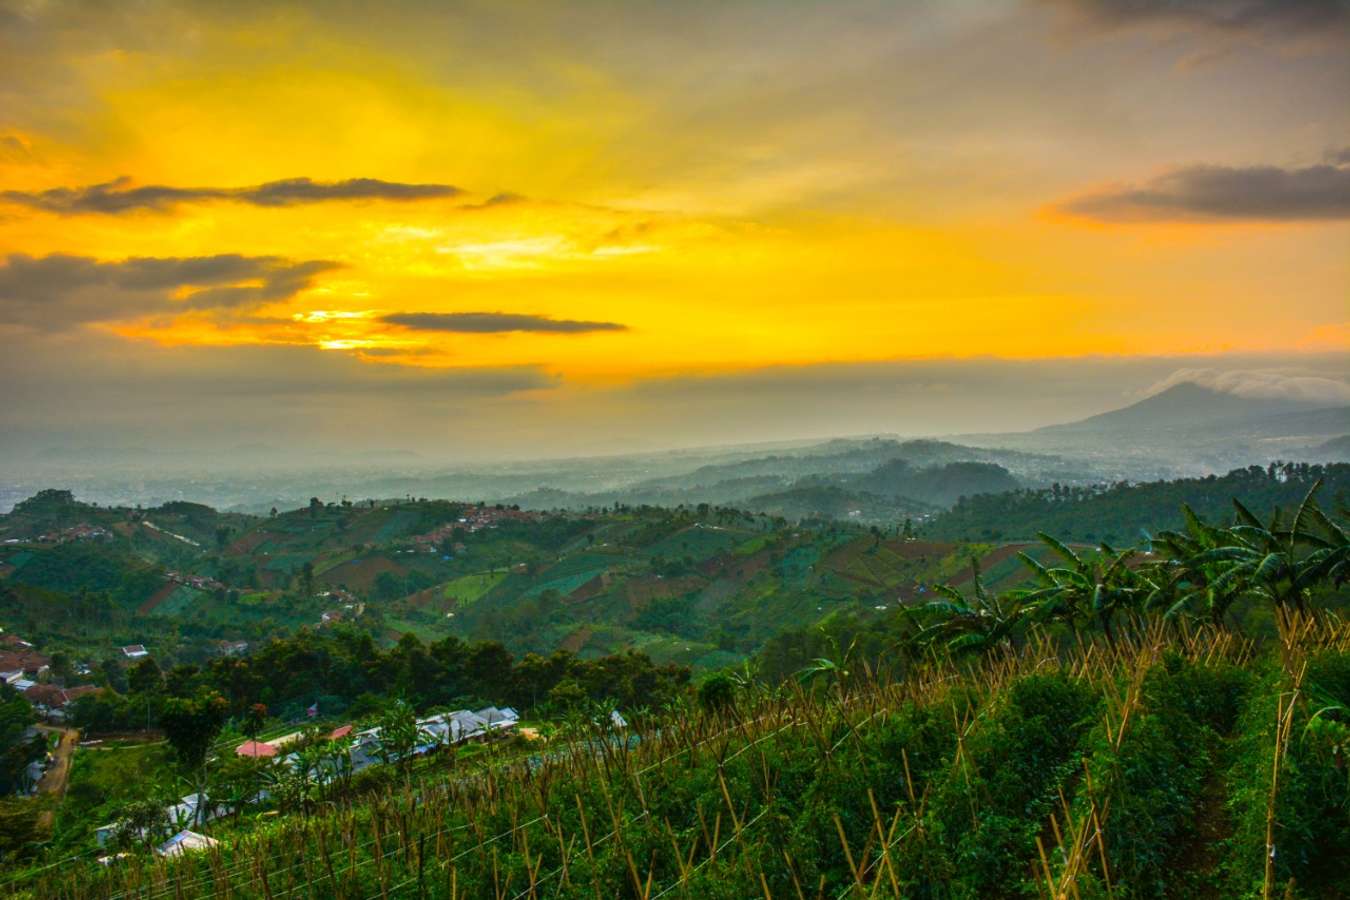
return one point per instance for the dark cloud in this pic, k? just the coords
(303, 190)
(52, 293)
(113, 197)
(1219, 192)
(494, 323)
(1292, 16)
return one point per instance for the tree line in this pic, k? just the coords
(1125, 513)
(344, 671)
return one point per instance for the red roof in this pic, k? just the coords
(256, 749)
(47, 694)
(340, 732)
(22, 660)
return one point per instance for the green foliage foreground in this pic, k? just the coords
(1165, 762)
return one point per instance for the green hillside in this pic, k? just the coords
(1141, 768)
(876, 716)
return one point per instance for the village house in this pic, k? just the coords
(50, 701)
(184, 842)
(135, 651)
(193, 811)
(20, 661)
(256, 750)
(32, 774)
(81, 532)
(14, 642)
(200, 582)
(363, 751)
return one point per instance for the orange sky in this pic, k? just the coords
(716, 188)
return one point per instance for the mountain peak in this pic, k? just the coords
(1183, 405)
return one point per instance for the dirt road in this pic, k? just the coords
(54, 780)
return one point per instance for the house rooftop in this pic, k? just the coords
(184, 841)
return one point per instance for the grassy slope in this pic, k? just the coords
(1085, 767)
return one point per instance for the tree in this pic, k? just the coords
(145, 677)
(488, 666)
(717, 693)
(254, 717)
(191, 724)
(143, 822)
(15, 752)
(388, 586)
(399, 733)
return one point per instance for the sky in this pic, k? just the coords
(527, 229)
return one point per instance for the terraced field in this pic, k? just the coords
(468, 588)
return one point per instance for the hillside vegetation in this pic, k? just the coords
(1150, 766)
(1127, 724)
(702, 586)
(1125, 513)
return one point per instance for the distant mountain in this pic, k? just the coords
(1183, 406)
(1337, 449)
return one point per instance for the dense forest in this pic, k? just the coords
(1127, 513)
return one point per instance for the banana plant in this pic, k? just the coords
(1329, 558)
(974, 623)
(1082, 588)
(833, 668)
(1187, 578)
(1264, 560)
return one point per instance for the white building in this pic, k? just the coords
(184, 842)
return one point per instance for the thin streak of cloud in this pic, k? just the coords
(1325, 17)
(496, 323)
(119, 196)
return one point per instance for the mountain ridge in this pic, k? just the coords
(1184, 405)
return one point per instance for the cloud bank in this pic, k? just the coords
(1266, 384)
(1290, 16)
(57, 292)
(496, 323)
(1263, 193)
(119, 196)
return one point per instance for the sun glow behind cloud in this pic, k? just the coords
(722, 189)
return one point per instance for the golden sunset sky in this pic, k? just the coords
(578, 203)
